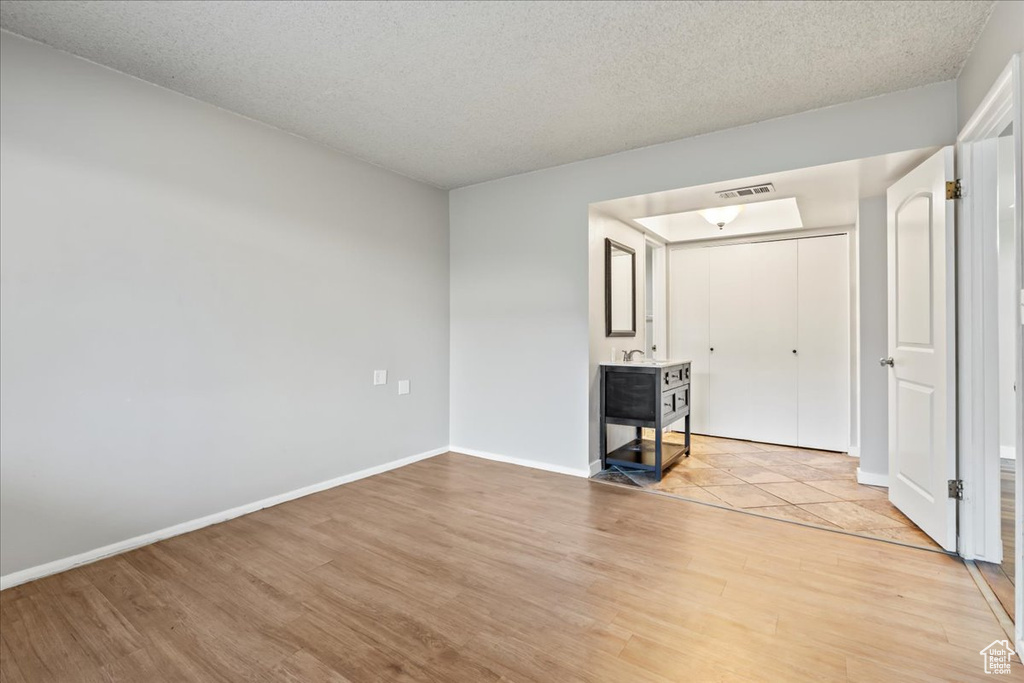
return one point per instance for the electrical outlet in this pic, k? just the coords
(403, 387)
(380, 377)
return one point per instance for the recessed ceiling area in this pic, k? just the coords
(456, 93)
(807, 198)
(756, 217)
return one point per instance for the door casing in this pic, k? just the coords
(979, 512)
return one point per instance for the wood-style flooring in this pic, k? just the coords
(783, 482)
(461, 569)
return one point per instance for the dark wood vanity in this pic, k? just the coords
(645, 394)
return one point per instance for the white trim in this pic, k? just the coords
(991, 115)
(595, 467)
(773, 236)
(659, 303)
(979, 443)
(39, 571)
(872, 479)
(978, 415)
(1007, 452)
(853, 451)
(533, 464)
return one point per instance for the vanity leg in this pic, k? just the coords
(687, 435)
(657, 444)
(657, 453)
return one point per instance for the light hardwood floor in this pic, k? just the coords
(460, 569)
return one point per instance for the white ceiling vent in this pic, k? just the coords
(749, 191)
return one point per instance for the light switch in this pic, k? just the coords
(403, 387)
(380, 377)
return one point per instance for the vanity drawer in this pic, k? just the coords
(675, 405)
(675, 376)
(683, 398)
(668, 403)
(675, 400)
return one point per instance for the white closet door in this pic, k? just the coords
(688, 301)
(753, 315)
(824, 343)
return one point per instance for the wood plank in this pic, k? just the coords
(460, 569)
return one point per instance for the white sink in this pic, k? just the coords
(646, 362)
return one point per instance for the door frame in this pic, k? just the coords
(979, 513)
(659, 297)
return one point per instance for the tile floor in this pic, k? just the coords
(812, 487)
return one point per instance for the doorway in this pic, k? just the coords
(655, 306)
(990, 260)
(767, 272)
(1000, 574)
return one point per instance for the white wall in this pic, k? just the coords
(1003, 36)
(602, 347)
(872, 316)
(519, 288)
(193, 305)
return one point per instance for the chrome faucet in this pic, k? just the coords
(627, 356)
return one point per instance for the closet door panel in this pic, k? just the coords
(753, 331)
(688, 327)
(824, 343)
(729, 282)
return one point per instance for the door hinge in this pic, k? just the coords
(956, 488)
(954, 189)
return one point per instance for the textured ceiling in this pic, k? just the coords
(455, 93)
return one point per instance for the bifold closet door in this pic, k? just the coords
(688, 301)
(824, 343)
(753, 337)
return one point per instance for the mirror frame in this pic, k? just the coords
(610, 244)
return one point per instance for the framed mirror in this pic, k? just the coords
(619, 289)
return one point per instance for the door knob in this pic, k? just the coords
(886, 361)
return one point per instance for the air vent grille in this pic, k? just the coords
(750, 191)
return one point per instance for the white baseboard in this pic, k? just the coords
(1007, 452)
(534, 464)
(595, 467)
(871, 479)
(853, 451)
(39, 571)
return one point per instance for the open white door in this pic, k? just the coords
(922, 391)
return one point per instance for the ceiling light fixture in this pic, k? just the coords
(721, 216)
